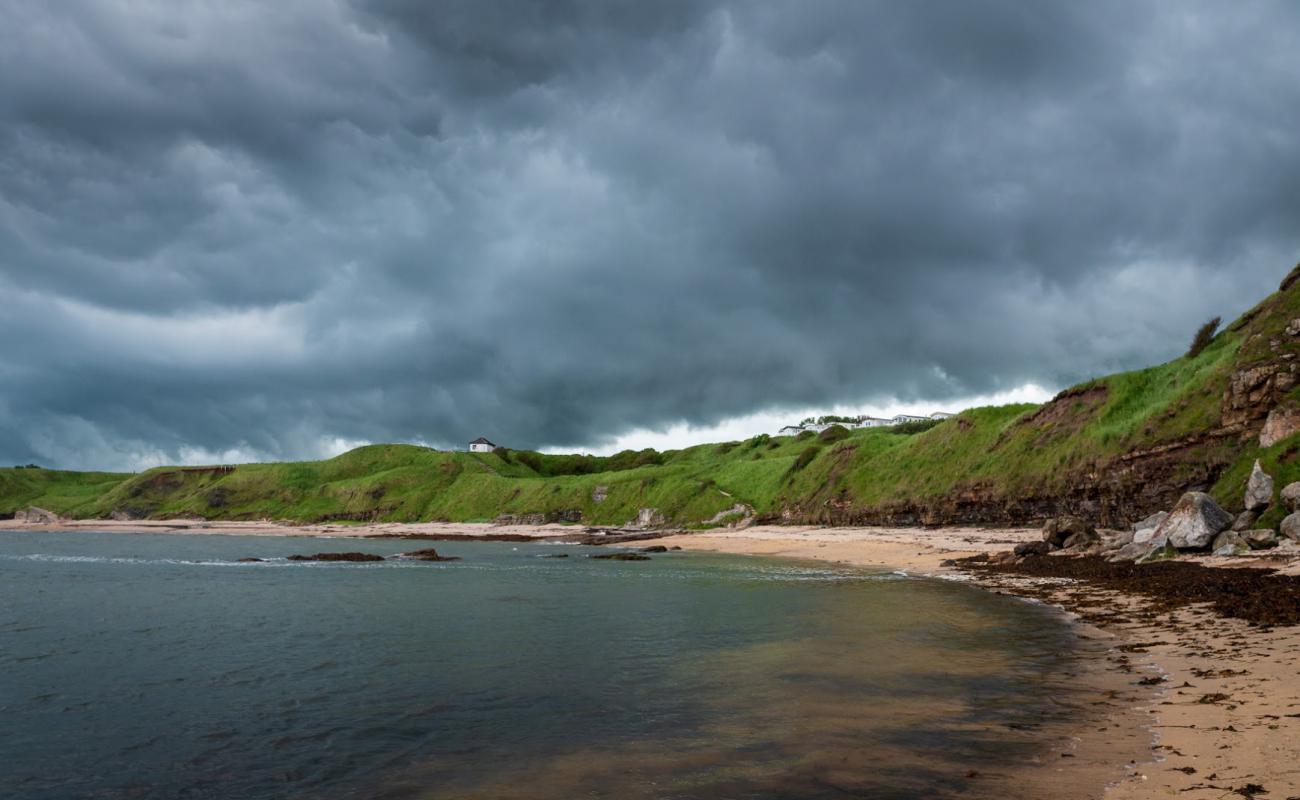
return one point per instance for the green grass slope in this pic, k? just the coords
(1113, 448)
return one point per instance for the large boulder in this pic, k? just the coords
(1281, 423)
(1194, 522)
(1291, 496)
(1056, 531)
(1259, 489)
(1290, 527)
(1229, 543)
(1260, 538)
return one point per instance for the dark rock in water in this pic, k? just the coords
(554, 555)
(675, 547)
(338, 557)
(1056, 531)
(654, 548)
(1032, 549)
(622, 557)
(249, 560)
(1194, 522)
(429, 555)
(1259, 489)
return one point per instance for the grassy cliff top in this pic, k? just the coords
(983, 455)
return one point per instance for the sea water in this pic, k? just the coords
(142, 666)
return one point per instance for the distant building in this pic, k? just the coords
(790, 430)
(873, 422)
(941, 415)
(481, 445)
(901, 418)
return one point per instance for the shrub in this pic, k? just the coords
(919, 426)
(1204, 335)
(529, 459)
(804, 436)
(833, 434)
(760, 440)
(725, 447)
(501, 453)
(805, 458)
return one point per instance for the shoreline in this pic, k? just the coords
(1214, 701)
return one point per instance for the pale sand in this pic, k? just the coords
(1250, 736)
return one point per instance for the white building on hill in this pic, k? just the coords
(901, 418)
(873, 422)
(481, 445)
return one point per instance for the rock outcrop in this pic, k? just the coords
(1194, 522)
(1259, 489)
(621, 557)
(36, 516)
(1281, 423)
(337, 557)
(428, 554)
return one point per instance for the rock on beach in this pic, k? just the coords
(1194, 522)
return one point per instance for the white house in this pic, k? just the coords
(873, 422)
(941, 415)
(901, 418)
(790, 430)
(481, 445)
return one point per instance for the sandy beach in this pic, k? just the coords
(1211, 704)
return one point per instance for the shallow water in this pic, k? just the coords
(155, 666)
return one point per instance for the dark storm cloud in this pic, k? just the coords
(235, 229)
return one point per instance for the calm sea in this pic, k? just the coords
(155, 666)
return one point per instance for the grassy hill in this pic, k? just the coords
(1113, 449)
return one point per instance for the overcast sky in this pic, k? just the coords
(235, 230)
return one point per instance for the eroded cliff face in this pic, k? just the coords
(1259, 408)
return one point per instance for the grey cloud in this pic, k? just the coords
(251, 228)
